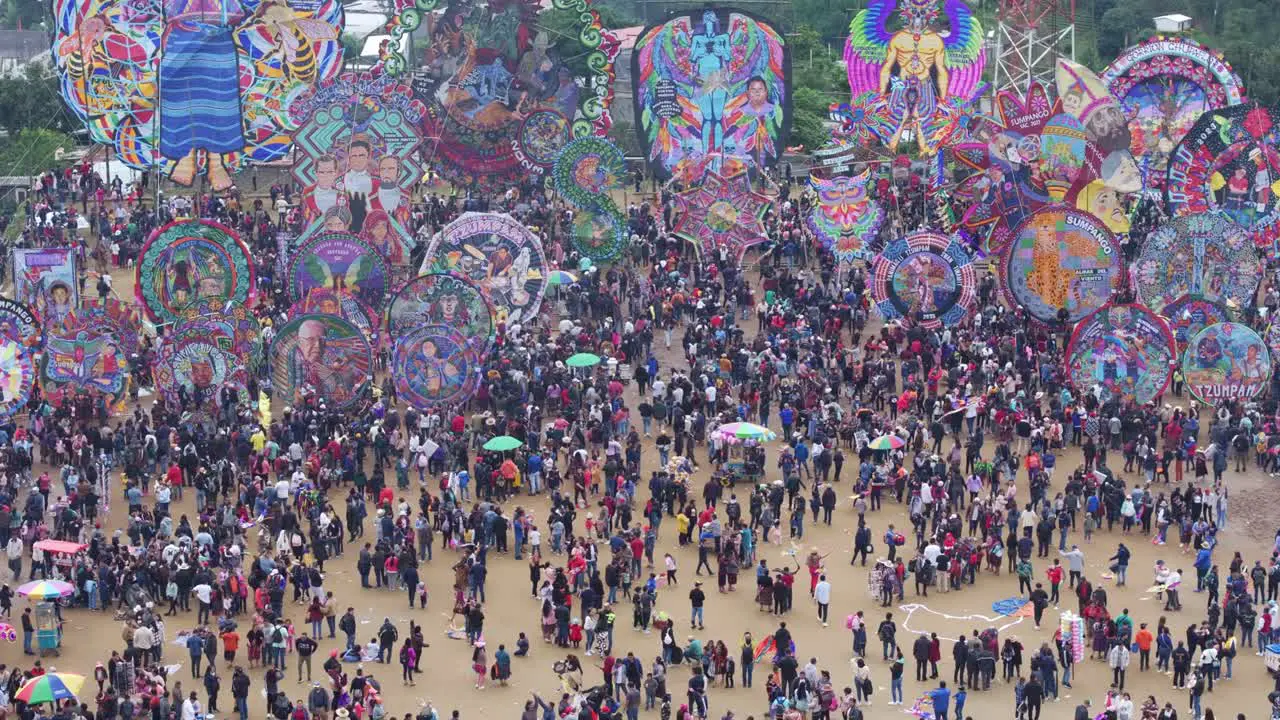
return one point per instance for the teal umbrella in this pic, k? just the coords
(583, 360)
(502, 443)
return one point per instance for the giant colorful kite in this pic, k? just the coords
(193, 86)
(921, 78)
(844, 218)
(191, 259)
(359, 137)
(1205, 255)
(499, 255)
(433, 365)
(321, 356)
(505, 91)
(715, 81)
(1164, 85)
(1227, 361)
(47, 281)
(1108, 162)
(722, 213)
(17, 375)
(192, 363)
(1126, 350)
(925, 279)
(1028, 155)
(1060, 259)
(1228, 161)
(588, 169)
(340, 261)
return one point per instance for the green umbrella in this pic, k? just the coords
(502, 443)
(583, 360)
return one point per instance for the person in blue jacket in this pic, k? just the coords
(941, 698)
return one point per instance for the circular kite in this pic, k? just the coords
(1190, 314)
(505, 88)
(194, 363)
(1060, 258)
(321, 355)
(17, 321)
(1226, 362)
(925, 278)
(499, 255)
(17, 375)
(1126, 350)
(236, 328)
(342, 261)
(1206, 255)
(1228, 161)
(722, 213)
(587, 169)
(844, 219)
(1164, 85)
(433, 365)
(191, 259)
(443, 299)
(344, 304)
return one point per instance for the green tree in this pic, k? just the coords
(32, 100)
(25, 14)
(33, 150)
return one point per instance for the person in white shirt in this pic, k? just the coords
(191, 708)
(282, 491)
(822, 594)
(14, 552)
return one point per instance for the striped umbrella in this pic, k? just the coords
(53, 687)
(47, 589)
(561, 277)
(887, 442)
(739, 431)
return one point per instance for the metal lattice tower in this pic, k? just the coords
(1030, 36)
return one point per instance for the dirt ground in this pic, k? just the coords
(448, 682)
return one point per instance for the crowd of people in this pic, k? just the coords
(978, 495)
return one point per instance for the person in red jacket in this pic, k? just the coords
(1055, 579)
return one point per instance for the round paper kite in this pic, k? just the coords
(1164, 85)
(1228, 161)
(1060, 258)
(432, 365)
(1226, 362)
(505, 88)
(447, 300)
(191, 259)
(1190, 314)
(925, 278)
(322, 355)
(499, 255)
(1206, 255)
(1126, 350)
(17, 375)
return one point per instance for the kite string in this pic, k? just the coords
(912, 608)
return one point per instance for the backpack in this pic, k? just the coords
(277, 635)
